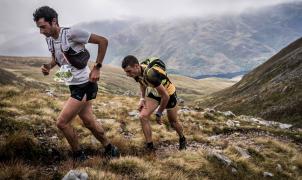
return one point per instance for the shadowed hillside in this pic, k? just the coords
(272, 91)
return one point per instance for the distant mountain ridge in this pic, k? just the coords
(192, 46)
(226, 75)
(208, 46)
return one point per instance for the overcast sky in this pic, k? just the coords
(16, 15)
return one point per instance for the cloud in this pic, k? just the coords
(16, 15)
(187, 8)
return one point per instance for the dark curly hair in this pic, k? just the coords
(47, 13)
(129, 60)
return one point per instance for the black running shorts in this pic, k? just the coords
(89, 89)
(171, 103)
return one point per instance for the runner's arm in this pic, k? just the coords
(102, 42)
(143, 91)
(102, 46)
(155, 78)
(142, 101)
(164, 98)
(52, 62)
(45, 68)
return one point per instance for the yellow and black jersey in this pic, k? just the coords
(154, 76)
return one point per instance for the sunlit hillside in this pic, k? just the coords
(114, 80)
(221, 145)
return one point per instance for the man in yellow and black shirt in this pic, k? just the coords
(157, 92)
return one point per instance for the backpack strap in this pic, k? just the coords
(51, 43)
(53, 51)
(63, 38)
(63, 52)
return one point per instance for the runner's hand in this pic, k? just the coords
(94, 75)
(158, 120)
(141, 104)
(45, 68)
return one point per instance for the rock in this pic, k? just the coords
(284, 89)
(210, 110)
(279, 168)
(185, 110)
(133, 113)
(236, 134)
(106, 121)
(75, 175)
(54, 138)
(127, 93)
(213, 138)
(209, 115)
(237, 123)
(229, 114)
(264, 122)
(234, 170)
(198, 108)
(294, 168)
(180, 101)
(130, 93)
(50, 93)
(268, 174)
(285, 126)
(94, 141)
(230, 123)
(221, 158)
(242, 152)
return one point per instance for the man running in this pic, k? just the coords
(67, 46)
(157, 91)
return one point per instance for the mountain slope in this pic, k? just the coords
(220, 144)
(272, 90)
(191, 46)
(211, 45)
(15, 70)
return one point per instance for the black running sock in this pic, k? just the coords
(182, 137)
(77, 153)
(150, 145)
(108, 147)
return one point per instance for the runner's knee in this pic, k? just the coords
(143, 116)
(88, 124)
(172, 122)
(61, 124)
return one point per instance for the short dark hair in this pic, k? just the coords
(129, 61)
(47, 13)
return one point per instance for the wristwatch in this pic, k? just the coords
(159, 114)
(98, 65)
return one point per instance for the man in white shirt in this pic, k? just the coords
(64, 44)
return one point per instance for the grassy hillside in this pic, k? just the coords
(113, 79)
(272, 91)
(221, 145)
(31, 147)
